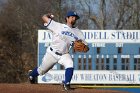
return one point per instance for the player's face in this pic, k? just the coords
(71, 20)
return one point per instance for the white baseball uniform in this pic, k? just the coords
(62, 39)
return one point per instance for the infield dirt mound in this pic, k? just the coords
(45, 88)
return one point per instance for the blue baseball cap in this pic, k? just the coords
(72, 13)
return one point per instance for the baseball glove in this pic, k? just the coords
(79, 46)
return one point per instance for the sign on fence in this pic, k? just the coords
(117, 62)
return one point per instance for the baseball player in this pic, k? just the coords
(63, 36)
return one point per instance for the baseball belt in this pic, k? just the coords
(57, 53)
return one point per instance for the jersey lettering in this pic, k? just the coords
(69, 34)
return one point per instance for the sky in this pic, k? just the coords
(2, 2)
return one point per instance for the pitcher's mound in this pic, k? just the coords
(47, 88)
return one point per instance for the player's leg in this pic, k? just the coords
(67, 62)
(48, 62)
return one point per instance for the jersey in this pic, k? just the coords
(63, 36)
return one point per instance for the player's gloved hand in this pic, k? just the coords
(79, 46)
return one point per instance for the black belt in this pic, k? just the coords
(57, 53)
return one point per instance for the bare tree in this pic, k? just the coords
(20, 21)
(110, 14)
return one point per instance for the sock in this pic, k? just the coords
(68, 75)
(34, 73)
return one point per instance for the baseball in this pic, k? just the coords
(52, 16)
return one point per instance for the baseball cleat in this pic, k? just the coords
(33, 80)
(66, 87)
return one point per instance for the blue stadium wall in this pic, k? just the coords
(109, 57)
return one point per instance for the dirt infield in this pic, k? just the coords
(44, 88)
